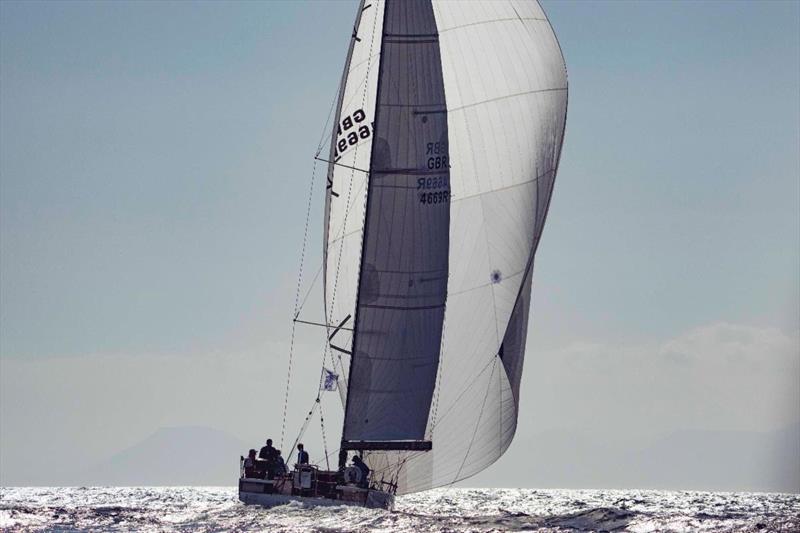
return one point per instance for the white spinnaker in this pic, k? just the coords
(347, 178)
(506, 89)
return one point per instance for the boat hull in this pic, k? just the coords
(268, 493)
(376, 500)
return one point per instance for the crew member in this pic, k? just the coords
(361, 465)
(270, 456)
(280, 465)
(302, 455)
(268, 453)
(250, 464)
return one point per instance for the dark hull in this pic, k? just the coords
(270, 493)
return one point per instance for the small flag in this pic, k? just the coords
(331, 380)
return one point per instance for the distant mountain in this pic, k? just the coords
(189, 455)
(683, 460)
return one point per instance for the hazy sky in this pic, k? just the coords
(154, 167)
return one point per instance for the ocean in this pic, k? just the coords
(441, 510)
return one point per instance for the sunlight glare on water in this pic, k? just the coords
(216, 508)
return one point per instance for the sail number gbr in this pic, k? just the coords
(348, 138)
(434, 190)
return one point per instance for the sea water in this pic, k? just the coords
(217, 508)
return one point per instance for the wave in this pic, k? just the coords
(479, 510)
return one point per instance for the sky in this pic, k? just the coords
(155, 161)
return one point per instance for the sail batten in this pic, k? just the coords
(391, 445)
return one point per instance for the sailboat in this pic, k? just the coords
(449, 122)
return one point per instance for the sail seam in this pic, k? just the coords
(484, 22)
(484, 285)
(405, 308)
(500, 189)
(478, 423)
(464, 391)
(505, 97)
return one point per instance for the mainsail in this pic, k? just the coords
(449, 127)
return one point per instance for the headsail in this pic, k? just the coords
(346, 194)
(503, 121)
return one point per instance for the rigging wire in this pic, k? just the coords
(324, 137)
(324, 441)
(318, 403)
(297, 300)
(331, 454)
(300, 304)
(302, 430)
(437, 389)
(310, 288)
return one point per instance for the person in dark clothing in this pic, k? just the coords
(342, 460)
(250, 464)
(270, 456)
(280, 465)
(302, 455)
(268, 452)
(361, 465)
